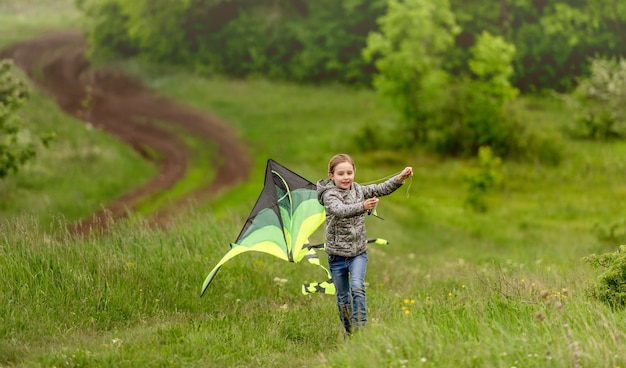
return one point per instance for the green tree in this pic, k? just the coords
(16, 144)
(473, 113)
(491, 63)
(408, 52)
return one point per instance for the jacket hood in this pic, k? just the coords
(322, 186)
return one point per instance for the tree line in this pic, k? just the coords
(315, 41)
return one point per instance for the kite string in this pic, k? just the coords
(408, 187)
(381, 179)
(389, 177)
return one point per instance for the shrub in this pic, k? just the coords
(473, 113)
(610, 287)
(599, 101)
(16, 144)
(107, 28)
(469, 119)
(485, 178)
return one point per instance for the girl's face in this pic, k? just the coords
(343, 175)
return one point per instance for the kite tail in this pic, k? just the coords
(325, 287)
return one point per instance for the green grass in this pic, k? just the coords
(454, 288)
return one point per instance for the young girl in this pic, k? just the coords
(346, 204)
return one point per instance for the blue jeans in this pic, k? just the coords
(348, 275)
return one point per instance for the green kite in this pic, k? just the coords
(286, 213)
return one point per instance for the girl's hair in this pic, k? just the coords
(337, 159)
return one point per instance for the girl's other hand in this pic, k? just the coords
(406, 173)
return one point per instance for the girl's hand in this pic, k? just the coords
(370, 203)
(406, 173)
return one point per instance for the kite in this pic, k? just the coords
(286, 213)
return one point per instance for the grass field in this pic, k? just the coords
(455, 288)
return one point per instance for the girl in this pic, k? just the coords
(346, 203)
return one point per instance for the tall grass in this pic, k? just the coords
(132, 299)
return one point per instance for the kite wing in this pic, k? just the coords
(286, 213)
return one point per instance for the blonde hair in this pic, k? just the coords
(337, 159)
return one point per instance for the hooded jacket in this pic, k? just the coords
(345, 216)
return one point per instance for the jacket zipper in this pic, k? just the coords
(354, 235)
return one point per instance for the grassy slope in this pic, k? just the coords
(454, 288)
(60, 181)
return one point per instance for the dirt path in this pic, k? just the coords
(123, 107)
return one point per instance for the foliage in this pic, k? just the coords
(599, 101)
(17, 145)
(553, 38)
(610, 288)
(331, 36)
(107, 28)
(482, 180)
(305, 40)
(408, 54)
(491, 64)
(579, 30)
(455, 117)
(469, 119)
(322, 40)
(376, 138)
(473, 113)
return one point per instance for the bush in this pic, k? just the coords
(469, 119)
(482, 180)
(611, 284)
(599, 101)
(108, 25)
(16, 144)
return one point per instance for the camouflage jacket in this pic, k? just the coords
(345, 216)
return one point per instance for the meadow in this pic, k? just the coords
(454, 288)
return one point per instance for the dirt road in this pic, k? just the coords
(121, 106)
